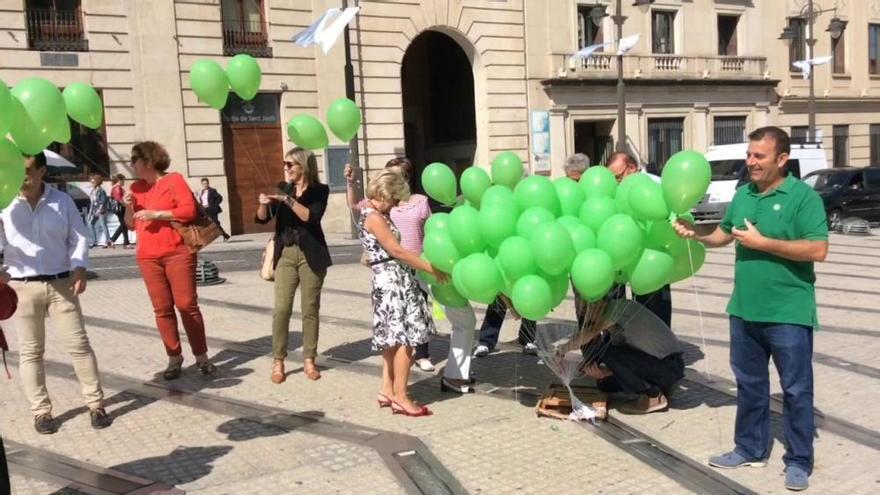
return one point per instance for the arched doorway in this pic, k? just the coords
(437, 81)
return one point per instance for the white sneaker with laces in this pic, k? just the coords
(530, 349)
(481, 351)
(425, 364)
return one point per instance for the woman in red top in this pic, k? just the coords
(168, 268)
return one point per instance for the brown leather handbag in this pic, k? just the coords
(198, 233)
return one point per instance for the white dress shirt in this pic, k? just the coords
(45, 240)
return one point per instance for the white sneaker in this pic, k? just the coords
(530, 349)
(425, 364)
(481, 351)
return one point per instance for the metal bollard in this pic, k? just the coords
(207, 273)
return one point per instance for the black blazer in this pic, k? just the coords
(311, 236)
(214, 200)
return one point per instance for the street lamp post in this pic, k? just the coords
(619, 19)
(835, 27)
(354, 151)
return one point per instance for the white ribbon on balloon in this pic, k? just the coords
(587, 51)
(318, 33)
(806, 66)
(628, 43)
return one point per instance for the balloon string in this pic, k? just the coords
(699, 311)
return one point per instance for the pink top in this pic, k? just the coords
(410, 218)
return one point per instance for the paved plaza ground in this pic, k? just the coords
(237, 433)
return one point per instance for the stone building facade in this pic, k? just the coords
(444, 80)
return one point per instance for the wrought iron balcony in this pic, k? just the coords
(663, 66)
(249, 37)
(56, 30)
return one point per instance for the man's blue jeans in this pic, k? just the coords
(791, 347)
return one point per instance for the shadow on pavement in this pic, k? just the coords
(183, 465)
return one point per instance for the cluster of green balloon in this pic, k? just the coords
(211, 83)
(343, 119)
(527, 237)
(35, 113)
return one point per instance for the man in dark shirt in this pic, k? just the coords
(210, 200)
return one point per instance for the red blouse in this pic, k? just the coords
(157, 238)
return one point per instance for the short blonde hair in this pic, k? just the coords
(390, 185)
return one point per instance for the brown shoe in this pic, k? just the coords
(645, 405)
(310, 370)
(278, 375)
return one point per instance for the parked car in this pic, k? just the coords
(848, 192)
(729, 171)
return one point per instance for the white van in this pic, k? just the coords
(729, 172)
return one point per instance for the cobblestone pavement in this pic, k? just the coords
(489, 442)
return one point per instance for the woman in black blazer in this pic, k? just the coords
(301, 255)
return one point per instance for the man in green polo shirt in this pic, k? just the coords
(780, 229)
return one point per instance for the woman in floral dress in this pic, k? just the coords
(401, 316)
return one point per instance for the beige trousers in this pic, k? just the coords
(55, 299)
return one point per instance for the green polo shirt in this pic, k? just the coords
(768, 288)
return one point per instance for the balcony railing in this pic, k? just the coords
(249, 37)
(657, 66)
(56, 30)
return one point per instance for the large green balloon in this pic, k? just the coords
(553, 248)
(244, 76)
(210, 83)
(344, 119)
(581, 236)
(499, 194)
(481, 278)
(662, 237)
(688, 258)
(27, 135)
(307, 132)
(84, 105)
(438, 181)
(592, 274)
(498, 222)
(464, 228)
(621, 238)
(507, 169)
(598, 181)
(537, 190)
(5, 109)
(458, 280)
(440, 251)
(44, 112)
(447, 295)
(530, 219)
(646, 201)
(438, 222)
(685, 180)
(571, 197)
(474, 183)
(515, 259)
(621, 198)
(532, 297)
(651, 272)
(596, 209)
(11, 171)
(558, 287)
(62, 129)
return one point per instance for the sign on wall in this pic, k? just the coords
(540, 126)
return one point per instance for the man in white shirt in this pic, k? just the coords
(45, 250)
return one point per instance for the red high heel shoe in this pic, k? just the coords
(398, 409)
(383, 400)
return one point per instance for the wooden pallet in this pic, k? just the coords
(556, 402)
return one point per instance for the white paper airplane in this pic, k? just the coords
(320, 34)
(628, 43)
(587, 51)
(806, 66)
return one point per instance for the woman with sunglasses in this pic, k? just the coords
(169, 269)
(301, 255)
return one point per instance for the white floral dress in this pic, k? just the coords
(401, 315)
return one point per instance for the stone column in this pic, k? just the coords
(701, 137)
(559, 148)
(761, 115)
(634, 129)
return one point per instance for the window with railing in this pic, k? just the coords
(799, 134)
(244, 28)
(55, 25)
(727, 34)
(665, 138)
(729, 130)
(874, 48)
(840, 144)
(797, 50)
(589, 32)
(838, 52)
(663, 31)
